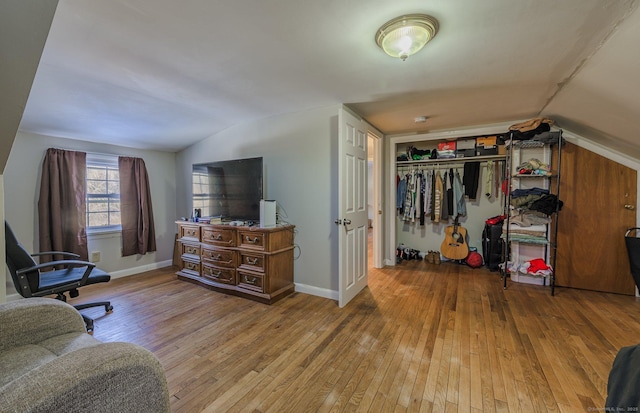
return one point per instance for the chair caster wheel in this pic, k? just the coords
(108, 308)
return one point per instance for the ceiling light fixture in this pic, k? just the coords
(406, 35)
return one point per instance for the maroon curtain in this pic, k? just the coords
(136, 212)
(62, 203)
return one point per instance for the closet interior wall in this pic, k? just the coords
(430, 235)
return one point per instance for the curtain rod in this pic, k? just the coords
(87, 152)
(97, 154)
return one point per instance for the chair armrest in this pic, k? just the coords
(64, 254)
(108, 377)
(65, 263)
(33, 320)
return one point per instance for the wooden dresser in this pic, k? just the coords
(251, 262)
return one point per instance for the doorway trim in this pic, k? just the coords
(378, 199)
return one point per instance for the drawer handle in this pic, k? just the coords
(192, 250)
(216, 274)
(251, 261)
(252, 241)
(219, 259)
(252, 281)
(191, 266)
(216, 237)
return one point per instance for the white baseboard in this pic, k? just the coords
(142, 268)
(318, 292)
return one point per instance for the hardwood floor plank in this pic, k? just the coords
(476, 385)
(464, 390)
(424, 361)
(486, 380)
(366, 387)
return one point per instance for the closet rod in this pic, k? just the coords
(452, 160)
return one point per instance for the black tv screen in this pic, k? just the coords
(228, 189)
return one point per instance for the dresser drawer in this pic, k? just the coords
(191, 249)
(191, 267)
(252, 239)
(249, 281)
(220, 258)
(219, 236)
(190, 232)
(221, 275)
(251, 261)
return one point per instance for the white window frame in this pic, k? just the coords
(110, 161)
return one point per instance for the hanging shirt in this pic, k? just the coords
(470, 178)
(401, 194)
(437, 198)
(417, 205)
(451, 206)
(444, 208)
(458, 194)
(408, 202)
(422, 197)
(428, 186)
(488, 186)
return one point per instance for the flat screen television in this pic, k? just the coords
(229, 189)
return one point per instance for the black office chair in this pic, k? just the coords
(30, 280)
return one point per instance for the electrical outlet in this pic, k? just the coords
(95, 256)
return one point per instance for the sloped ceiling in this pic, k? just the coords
(163, 74)
(602, 101)
(23, 32)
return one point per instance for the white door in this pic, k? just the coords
(352, 197)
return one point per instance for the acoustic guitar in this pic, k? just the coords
(454, 245)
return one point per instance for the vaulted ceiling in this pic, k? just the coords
(163, 74)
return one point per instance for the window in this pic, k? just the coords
(103, 193)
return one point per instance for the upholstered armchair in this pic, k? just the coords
(48, 363)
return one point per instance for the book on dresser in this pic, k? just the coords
(247, 261)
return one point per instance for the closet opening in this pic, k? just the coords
(426, 231)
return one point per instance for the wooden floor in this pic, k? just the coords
(421, 337)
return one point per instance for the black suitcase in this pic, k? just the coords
(633, 250)
(492, 246)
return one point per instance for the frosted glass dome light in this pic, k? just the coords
(406, 35)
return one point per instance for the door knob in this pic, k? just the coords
(338, 221)
(630, 207)
(346, 222)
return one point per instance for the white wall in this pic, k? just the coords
(21, 188)
(300, 161)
